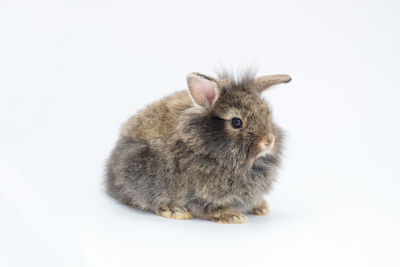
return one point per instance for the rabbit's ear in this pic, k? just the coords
(203, 89)
(264, 82)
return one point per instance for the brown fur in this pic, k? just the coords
(181, 159)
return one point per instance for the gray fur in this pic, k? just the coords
(174, 155)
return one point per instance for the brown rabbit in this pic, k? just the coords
(211, 151)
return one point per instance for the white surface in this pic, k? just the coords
(71, 72)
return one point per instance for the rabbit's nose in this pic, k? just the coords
(267, 142)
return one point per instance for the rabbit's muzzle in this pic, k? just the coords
(266, 144)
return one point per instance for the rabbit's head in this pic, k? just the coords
(230, 119)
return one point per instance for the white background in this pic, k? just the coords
(72, 71)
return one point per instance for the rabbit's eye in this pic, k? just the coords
(236, 123)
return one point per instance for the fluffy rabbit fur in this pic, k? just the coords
(211, 151)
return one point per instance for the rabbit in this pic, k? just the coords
(210, 152)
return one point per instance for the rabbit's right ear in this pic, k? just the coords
(203, 89)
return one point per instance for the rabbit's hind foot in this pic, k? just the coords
(174, 212)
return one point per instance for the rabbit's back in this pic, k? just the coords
(158, 121)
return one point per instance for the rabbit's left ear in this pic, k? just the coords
(203, 89)
(264, 82)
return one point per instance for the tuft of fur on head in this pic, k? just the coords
(241, 80)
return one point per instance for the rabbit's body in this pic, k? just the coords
(179, 157)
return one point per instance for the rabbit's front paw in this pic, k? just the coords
(262, 209)
(232, 218)
(174, 212)
(226, 216)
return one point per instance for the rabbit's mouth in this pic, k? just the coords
(266, 152)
